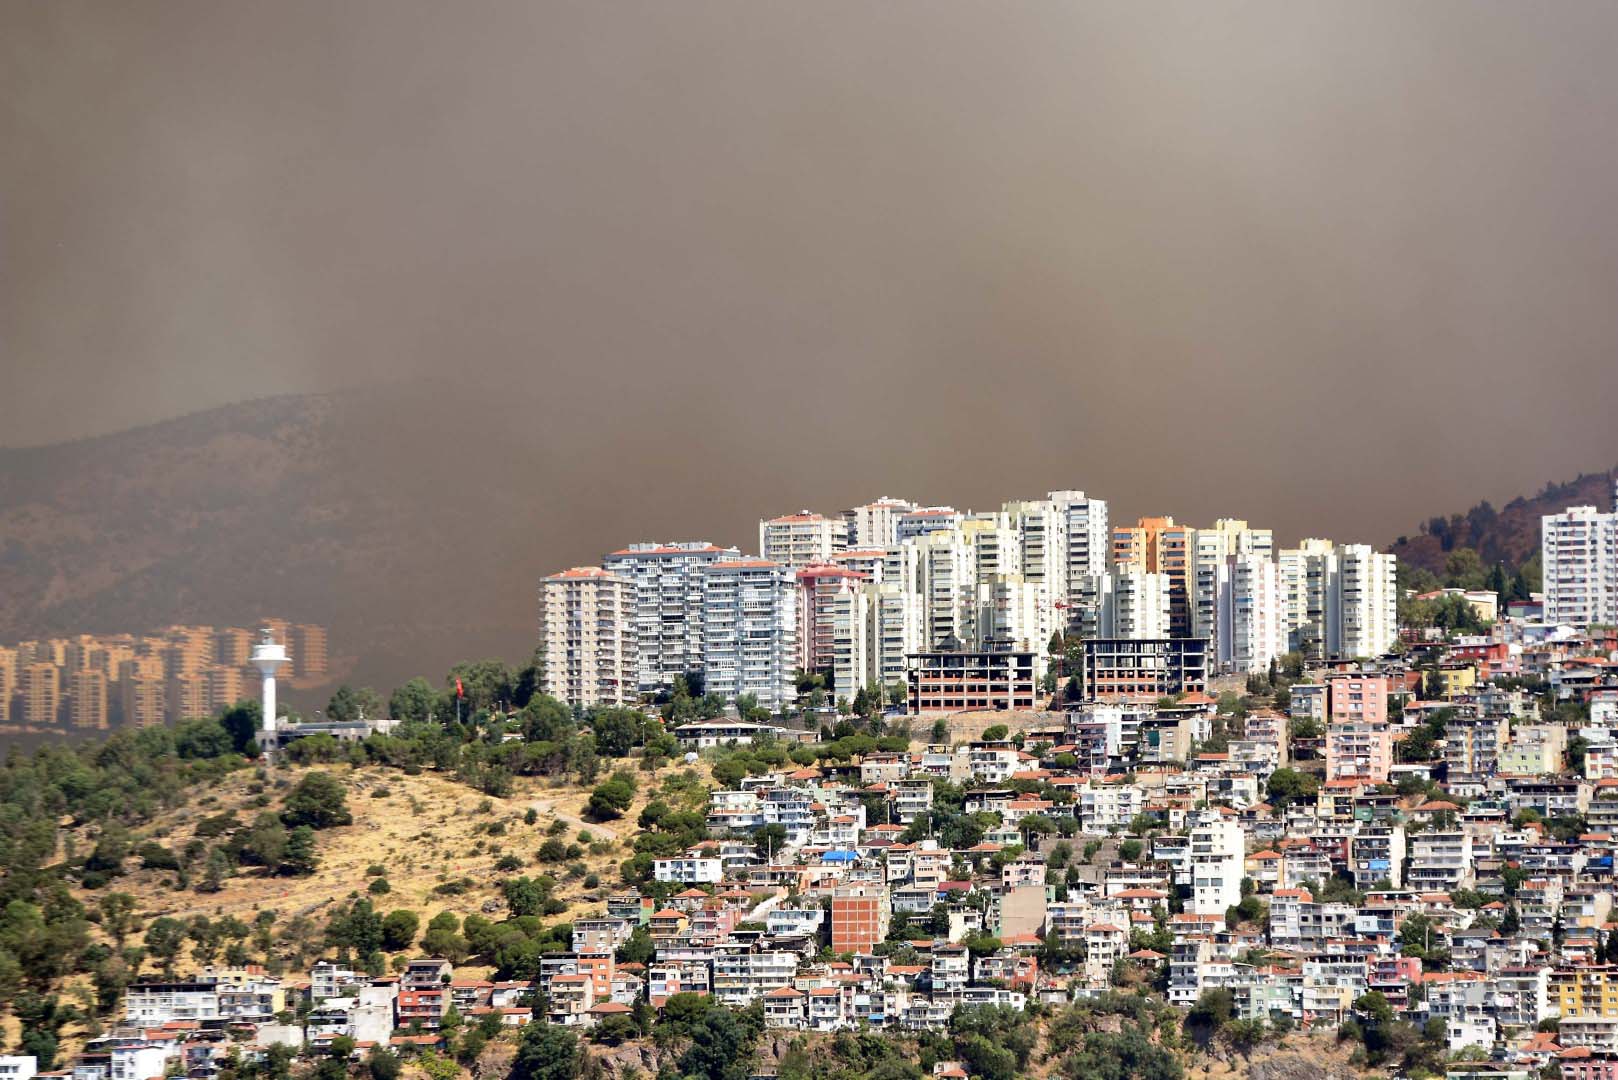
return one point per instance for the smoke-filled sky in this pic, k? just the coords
(1329, 266)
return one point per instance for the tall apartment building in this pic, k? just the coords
(1041, 542)
(668, 605)
(1248, 628)
(85, 653)
(189, 649)
(1303, 585)
(798, 540)
(8, 681)
(819, 586)
(142, 700)
(944, 577)
(185, 697)
(308, 650)
(750, 630)
(1366, 597)
(41, 686)
(1157, 545)
(1009, 610)
(1211, 548)
(1131, 603)
(142, 691)
(87, 699)
(1473, 745)
(1084, 534)
(1579, 557)
(996, 548)
(874, 629)
(587, 619)
(874, 525)
(1341, 600)
(232, 645)
(225, 687)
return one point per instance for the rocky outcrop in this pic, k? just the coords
(1291, 1065)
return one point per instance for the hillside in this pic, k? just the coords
(426, 830)
(1509, 535)
(359, 510)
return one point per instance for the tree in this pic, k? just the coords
(525, 896)
(165, 937)
(412, 703)
(201, 739)
(1288, 786)
(617, 731)
(266, 842)
(530, 681)
(116, 912)
(995, 732)
(348, 704)
(722, 1043)
(610, 799)
(1374, 1007)
(547, 1052)
(319, 801)
(1213, 1008)
(382, 1063)
(768, 840)
(1126, 1055)
(300, 859)
(638, 949)
(241, 722)
(399, 930)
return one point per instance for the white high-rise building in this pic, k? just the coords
(876, 524)
(1011, 610)
(1217, 857)
(1209, 550)
(874, 628)
(1363, 602)
(668, 605)
(1249, 624)
(1303, 593)
(1579, 561)
(587, 636)
(750, 630)
(1039, 528)
(1132, 603)
(801, 539)
(996, 547)
(1085, 539)
(944, 579)
(1340, 600)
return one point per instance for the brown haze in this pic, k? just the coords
(1332, 267)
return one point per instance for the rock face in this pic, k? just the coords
(635, 1059)
(1290, 1065)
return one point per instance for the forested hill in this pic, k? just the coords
(1509, 535)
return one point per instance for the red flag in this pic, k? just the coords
(460, 691)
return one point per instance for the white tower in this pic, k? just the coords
(268, 656)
